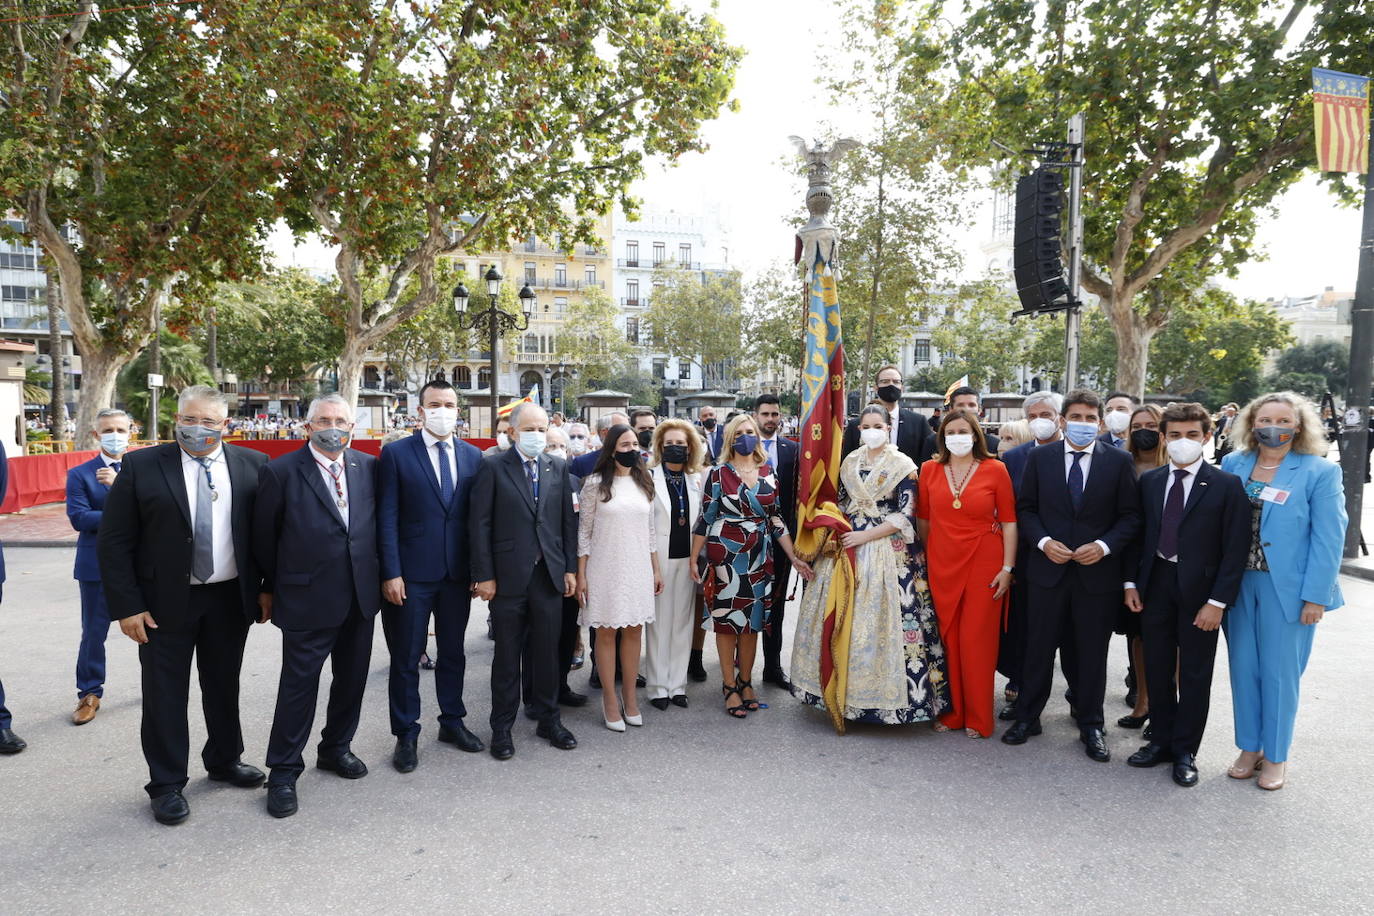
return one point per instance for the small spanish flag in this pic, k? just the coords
(531, 398)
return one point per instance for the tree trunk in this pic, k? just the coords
(350, 365)
(57, 408)
(212, 344)
(154, 368)
(99, 369)
(1133, 338)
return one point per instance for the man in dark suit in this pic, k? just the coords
(523, 535)
(967, 398)
(181, 579)
(315, 538)
(782, 455)
(1079, 511)
(911, 431)
(10, 743)
(712, 431)
(1116, 418)
(422, 512)
(1184, 572)
(87, 484)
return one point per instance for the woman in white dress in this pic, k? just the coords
(676, 463)
(617, 566)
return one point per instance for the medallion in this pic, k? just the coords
(343, 503)
(214, 495)
(957, 503)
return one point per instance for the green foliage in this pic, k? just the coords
(979, 333)
(697, 316)
(774, 307)
(182, 365)
(935, 379)
(591, 341)
(276, 328)
(1327, 360)
(1310, 384)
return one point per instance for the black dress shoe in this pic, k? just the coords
(490, 633)
(594, 681)
(659, 702)
(281, 799)
(1008, 713)
(1073, 712)
(1131, 697)
(1150, 755)
(569, 697)
(695, 669)
(406, 757)
(1095, 744)
(239, 774)
(556, 735)
(10, 743)
(171, 808)
(502, 748)
(1185, 770)
(777, 677)
(639, 680)
(680, 700)
(460, 737)
(346, 765)
(1133, 721)
(1020, 732)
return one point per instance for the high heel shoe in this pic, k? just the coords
(618, 725)
(1239, 771)
(636, 721)
(1273, 785)
(751, 704)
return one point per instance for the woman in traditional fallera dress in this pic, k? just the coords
(894, 669)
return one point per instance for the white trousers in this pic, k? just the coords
(668, 640)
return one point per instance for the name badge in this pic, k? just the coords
(577, 503)
(1275, 496)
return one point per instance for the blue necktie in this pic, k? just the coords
(1173, 517)
(116, 465)
(1076, 480)
(445, 474)
(773, 452)
(534, 478)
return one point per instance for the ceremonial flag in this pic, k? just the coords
(531, 398)
(819, 519)
(962, 382)
(1341, 117)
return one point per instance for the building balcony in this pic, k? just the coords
(633, 303)
(565, 283)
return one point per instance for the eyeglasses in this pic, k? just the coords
(207, 422)
(325, 423)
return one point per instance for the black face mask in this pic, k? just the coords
(645, 436)
(675, 454)
(627, 459)
(890, 393)
(1145, 440)
(708, 423)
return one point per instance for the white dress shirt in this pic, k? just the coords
(1187, 483)
(896, 415)
(322, 461)
(432, 450)
(770, 448)
(221, 510)
(1084, 464)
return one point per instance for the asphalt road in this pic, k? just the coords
(693, 812)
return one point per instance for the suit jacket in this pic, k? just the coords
(1106, 439)
(915, 438)
(508, 531)
(713, 440)
(1109, 512)
(582, 465)
(1213, 537)
(664, 509)
(786, 472)
(144, 543)
(307, 557)
(1304, 538)
(1015, 460)
(993, 444)
(85, 503)
(421, 539)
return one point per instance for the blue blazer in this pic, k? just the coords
(85, 504)
(1015, 460)
(1304, 538)
(420, 539)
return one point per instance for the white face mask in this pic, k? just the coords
(1043, 428)
(1183, 452)
(959, 444)
(502, 441)
(873, 438)
(440, 420)
(557, 452)
(1117, 421)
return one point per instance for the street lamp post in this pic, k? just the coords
(494, 321)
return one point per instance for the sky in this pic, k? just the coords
(744, 177)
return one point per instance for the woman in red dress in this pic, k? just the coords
(966, 516)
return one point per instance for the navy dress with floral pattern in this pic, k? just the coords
(737, 522)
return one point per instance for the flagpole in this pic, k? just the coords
(1355, 454)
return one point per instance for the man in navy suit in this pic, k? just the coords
(1079, 510)
(782, 455)
(911, 432)
(1184, 572)
(10, 743)
(315, 538)
(87, 484)
(1116, 417)
(713, 431)
(422, 515)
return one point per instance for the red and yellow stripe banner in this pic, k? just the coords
(1341, 117)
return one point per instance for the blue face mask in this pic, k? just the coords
(1274, 436)
(1080, 434)
(745, 444)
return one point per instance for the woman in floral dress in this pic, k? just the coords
(894, 669)
(739, 517)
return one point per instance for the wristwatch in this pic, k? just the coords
(1006, 569)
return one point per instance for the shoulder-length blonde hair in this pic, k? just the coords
(696, 449)
(1309, 439)
(727, 440)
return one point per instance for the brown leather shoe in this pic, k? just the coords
(86, 709)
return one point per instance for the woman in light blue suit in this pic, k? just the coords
(1290, 580)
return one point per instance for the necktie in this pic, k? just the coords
(203, 543)
(534, 478)
(116, 465)
(1173, 515)
(445, 474)
(773, 452)
(1076, 480)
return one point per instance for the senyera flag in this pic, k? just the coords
(531, 398)
(1341, 117)
(819, 519)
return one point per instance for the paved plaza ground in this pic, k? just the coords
(695, 812)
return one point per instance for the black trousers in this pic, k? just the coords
(303, 653)
(567, 640)
(1178, 711)
(1011, 649)
(777, 606)
(215, 639)
(527, 628)
(1088, 618)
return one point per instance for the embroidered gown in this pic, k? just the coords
(896, 661)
